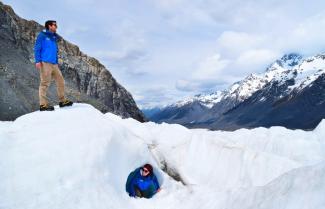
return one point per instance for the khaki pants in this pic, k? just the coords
(48, 72)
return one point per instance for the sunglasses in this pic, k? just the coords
(55, 25)
(145, 170)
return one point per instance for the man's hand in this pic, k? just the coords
(38, 65)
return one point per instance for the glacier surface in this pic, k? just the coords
(79, 158)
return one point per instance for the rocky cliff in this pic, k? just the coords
(86, 79)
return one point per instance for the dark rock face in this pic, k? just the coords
(86, 79)
(185, 115)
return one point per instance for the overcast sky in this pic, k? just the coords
(164, 50)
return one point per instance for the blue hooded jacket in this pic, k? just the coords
(148, 185)
(46, 47)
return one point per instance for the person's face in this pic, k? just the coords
(53, 27)
(145, 172)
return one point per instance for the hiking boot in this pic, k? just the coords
(46, 108)
(65, 103)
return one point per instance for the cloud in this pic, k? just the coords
(72, 31)
(156, 96)
(307, 37)
(197, 86)
(252, 60)
(232, 43)
(186, 85)
(210, 67)
(162, 50)
(183, 14)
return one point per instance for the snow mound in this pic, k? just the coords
(77, 157)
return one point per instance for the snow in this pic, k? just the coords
(78, 157)
(303, 73)
(309, 71)
(207, 100)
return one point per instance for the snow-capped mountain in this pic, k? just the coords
(245, 88)
(292, 73)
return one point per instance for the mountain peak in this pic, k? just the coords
(287, 61)
(290, 60)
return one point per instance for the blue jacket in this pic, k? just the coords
(46, 47)
(148, 185)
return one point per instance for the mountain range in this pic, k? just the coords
(289, 93)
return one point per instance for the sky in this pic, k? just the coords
(164, 50)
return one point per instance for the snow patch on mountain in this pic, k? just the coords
(207, 100)
(309, 71)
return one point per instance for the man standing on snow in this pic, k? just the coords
(46, 59)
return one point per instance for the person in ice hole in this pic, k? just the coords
(142, 182)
